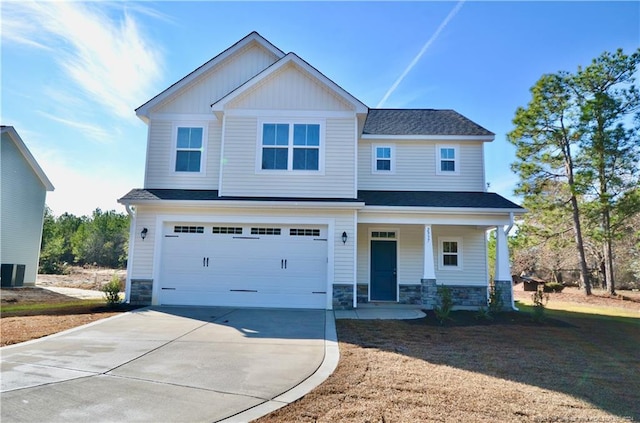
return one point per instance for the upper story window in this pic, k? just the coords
(383, 159)
(447, 160)
(450, 253)
(189, 149)
(291, 146)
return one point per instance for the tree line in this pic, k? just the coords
(577, 158)
(100, 239)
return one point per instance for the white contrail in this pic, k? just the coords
(415, 60)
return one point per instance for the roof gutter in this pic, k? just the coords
(248, 204)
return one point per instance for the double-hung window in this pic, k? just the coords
(290, 146)
(383, 159)
(189, 149)
(450, 253)
(447, 162)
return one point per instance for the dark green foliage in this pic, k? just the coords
(540, 300)
(496, 303)
(100, 240)
(443, 309)
(112, 291)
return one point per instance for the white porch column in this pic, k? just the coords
(429, 267)
(503, 269)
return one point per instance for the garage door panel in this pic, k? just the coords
(261, 270)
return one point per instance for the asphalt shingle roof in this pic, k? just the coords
(209, 195)
(481, 200)
(420, 122)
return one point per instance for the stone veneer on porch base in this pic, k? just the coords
(505, 289)
(465, 297)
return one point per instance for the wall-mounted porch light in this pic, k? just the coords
(344, 237)
(143, 233)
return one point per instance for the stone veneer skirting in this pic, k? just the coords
(505, 288)
(464, 296)
(140, 293)
(342, 296)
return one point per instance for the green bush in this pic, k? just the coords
(553, 287)
(540, 299)
(443, 310)
(112, 291)
(496, 304)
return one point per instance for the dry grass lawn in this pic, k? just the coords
(571, 368)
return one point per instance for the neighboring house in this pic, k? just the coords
(268, 185)
(24, 187)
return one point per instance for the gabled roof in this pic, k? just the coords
(438, 199)
(421, 122)
(143, 111)
(13, 135)
(290, 58)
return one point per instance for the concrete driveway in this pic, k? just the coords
(170, 364)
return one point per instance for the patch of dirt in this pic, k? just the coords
(84, 278)
(624, 299)
(32, 295)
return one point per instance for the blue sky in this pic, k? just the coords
(73, 72)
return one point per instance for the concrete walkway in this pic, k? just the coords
(380, 313)
(170, 364)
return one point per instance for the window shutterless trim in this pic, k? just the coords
(290, 146)
(203, 149)
(391, 159)
(440, 159)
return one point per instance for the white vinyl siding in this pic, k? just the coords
(219, 81)
(161, 151)
(415, 168)
(473, 255)
(23, 200)
(411, 254)
(290, 89)
(240, 177)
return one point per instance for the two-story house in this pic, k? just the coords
(268, 185)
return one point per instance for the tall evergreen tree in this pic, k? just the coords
(546, 138)
(609, 147)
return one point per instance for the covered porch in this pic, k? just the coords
(403, 258)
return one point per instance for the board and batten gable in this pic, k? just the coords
(219, 81)
(415, 166)
(289, 96)
(23, 201)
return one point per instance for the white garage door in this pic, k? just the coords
(244, 265)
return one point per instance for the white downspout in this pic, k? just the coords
(132, 225)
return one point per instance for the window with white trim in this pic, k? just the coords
(290, 146)
(450, 253)
(383, 159)
(447, 160)
(189, 149)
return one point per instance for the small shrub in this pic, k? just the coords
(496, 303)
(484, 314)
(112, 291)
(540, 299)
(443, 310)
(553, 287)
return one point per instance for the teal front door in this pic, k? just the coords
(383, 271)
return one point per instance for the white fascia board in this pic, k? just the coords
(486, 138)
(482, 221)
(249, 204)
(22, 147)
(359, 107)
(143, 111)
